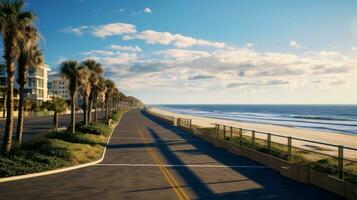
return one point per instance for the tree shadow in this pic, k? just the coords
(272, 184)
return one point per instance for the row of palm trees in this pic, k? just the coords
(21, 46)
(87, 78)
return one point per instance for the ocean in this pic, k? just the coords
(332, 118)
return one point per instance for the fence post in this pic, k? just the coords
(218, 127)
(231, 134)
(289, 150)
(253, 139)
(240, 136)
(340, 162)
(269, 143)
(190, 123)
(224, 132)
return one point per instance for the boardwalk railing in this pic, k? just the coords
(323, 157)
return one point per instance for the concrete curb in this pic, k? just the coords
(55, 171)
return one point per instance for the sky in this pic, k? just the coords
(210, 52)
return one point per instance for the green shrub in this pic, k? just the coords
(116, 116)
(96, 128)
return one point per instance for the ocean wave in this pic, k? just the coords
(319, 118)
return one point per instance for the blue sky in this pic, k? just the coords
(210, 51)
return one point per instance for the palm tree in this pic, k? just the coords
(13, 21)
(31, 55)
(110, 85)
(70, 70)
(96, 72)
(100, 90)
(83, 76)
(57, 105)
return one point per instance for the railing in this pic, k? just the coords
(186, 123)
(336, 160)
(327, 158)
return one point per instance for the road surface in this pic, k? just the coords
(147, 159)
(35, 125)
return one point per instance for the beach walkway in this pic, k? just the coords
(147, 159)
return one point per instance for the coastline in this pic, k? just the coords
(346, 140)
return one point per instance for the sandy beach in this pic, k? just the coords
(319, 136)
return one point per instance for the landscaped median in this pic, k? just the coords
(58, 150)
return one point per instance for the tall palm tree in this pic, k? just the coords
(13, 21)
(83, 76)
(110, 85)
(70, 70)
(100, 90)
(96, 71)
(30, 54)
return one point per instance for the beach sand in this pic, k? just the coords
(319, 136)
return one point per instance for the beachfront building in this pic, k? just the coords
(58, 86)
(36, 86)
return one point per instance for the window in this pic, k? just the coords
(40, 93)
(40, 83)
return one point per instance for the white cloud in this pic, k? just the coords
(98, 53)
(116, 59)
(249, 45)
(126, 48)
(294, 44)
(224, 68)
(75, 30)
(182, 55)
(166, 38)
(129, 32)
(147, 10)
(113, 29)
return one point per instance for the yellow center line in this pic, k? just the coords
(181, 194)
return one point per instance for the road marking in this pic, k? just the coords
(172, 181)
(192, 166)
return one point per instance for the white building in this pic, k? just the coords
(58, 86)
(36, 86)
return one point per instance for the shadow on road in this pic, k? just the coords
(272, 184)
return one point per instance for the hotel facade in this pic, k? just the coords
(36, 88)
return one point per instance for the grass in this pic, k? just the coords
(314, 160)
(58, 150)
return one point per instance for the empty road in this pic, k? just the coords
(35, 126)
(147, 159)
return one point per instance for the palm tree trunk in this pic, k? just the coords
(55, 120)
(3, 102)
(20, 119)
(96, 112)
(7, 141)
(106, 109)
(73, 114)
(85, 111)
(90, 106)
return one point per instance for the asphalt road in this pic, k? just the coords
(147, 159)
(35, 126)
